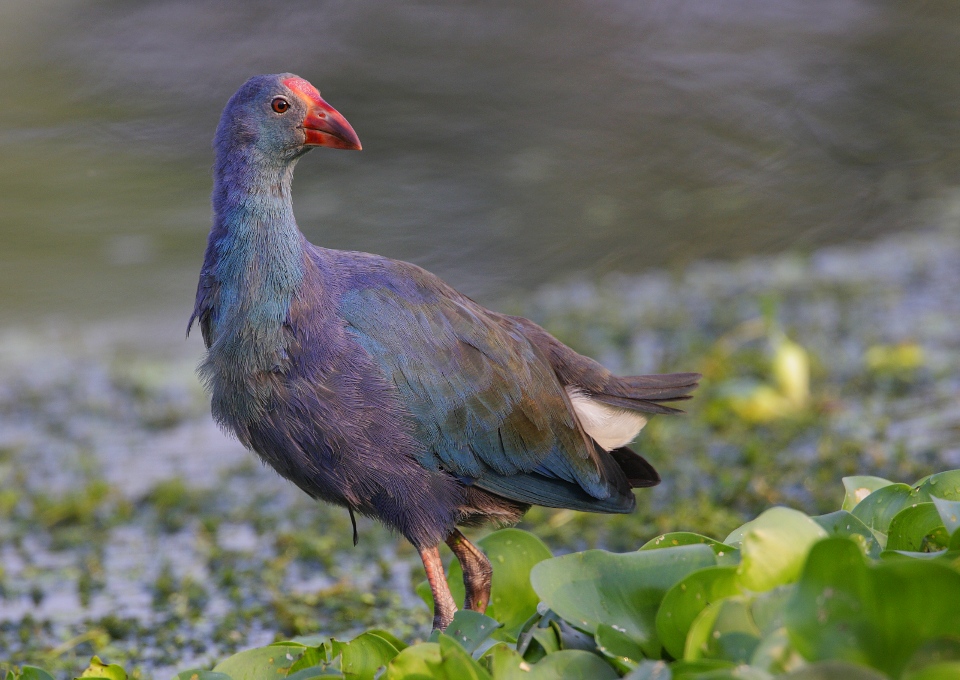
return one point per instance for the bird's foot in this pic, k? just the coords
(477, 571)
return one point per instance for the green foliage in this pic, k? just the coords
(868, 592)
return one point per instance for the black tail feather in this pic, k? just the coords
(638, 471)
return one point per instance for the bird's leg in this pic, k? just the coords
(443, 605)
(477, 572)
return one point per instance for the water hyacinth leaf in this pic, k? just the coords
(726, 554)
(699, 669)
(306, 640)
(34, 673)
(775, 654)
(724, 630)
(416, 661)
(470, 629)
(833, 670)
(512, 553)
(623, 590)
(740, 672)
(877, 615)
(686, 599)
(945, 485)
(943, 652)
(768, 608)
(98, 669)
(949, 514)
(457, 664)
(774, 548)
(196, 674)
(363, 656)
(879, 508)
(843, 523)
(506, 664)
(650, 670)
(918, 528)
(618, 647)
(442, 660)
(859, 487)
(312, 657)
(571, 638)
(540, 642)
(312, 672)
(947, 670)
(262, 663)
(572, 664)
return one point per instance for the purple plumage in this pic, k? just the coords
(371, 384)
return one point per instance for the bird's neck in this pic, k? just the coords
(259, 249)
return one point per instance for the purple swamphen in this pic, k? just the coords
(372, 384)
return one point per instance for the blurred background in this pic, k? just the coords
(505, 144)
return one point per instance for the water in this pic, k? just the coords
(505, 145)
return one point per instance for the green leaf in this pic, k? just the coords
(774, 548)
(470, 629)
(441, 660)
(364, 655)
(572, 664)
(723, 630)
(623, 590)
(650, 670)
(832, 670)
(512, 553)
(859, 487)
(686, 599)
(618, 647)
(775, 654)
(98, 669)
(879, 508)
(397, 643)
(918, 528)
(948, 670)
(262, 663)
(314, 672)
(726, 554)
(305, 641)
(416, 662)
(945, 485)
(699, 669)
(457, 664)
(768, 608)
(876, 615)
(199, 674)
(34, 673)
(949, 514)
(843, 523)
(506, 664)
(312, 656)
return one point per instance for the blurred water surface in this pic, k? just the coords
(505, 144)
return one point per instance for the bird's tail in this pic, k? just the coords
(646, 393)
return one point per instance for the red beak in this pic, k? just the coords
(323, 125)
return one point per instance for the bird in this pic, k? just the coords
(371, 384)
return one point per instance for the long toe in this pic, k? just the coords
(477, 571)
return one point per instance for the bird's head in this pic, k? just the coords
(282, 116)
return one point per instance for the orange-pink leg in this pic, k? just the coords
(477, 572)
(443, 605)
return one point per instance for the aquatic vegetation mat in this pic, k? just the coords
(870, 590)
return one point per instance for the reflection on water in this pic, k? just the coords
(505, 144)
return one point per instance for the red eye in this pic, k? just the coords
(280, 105)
